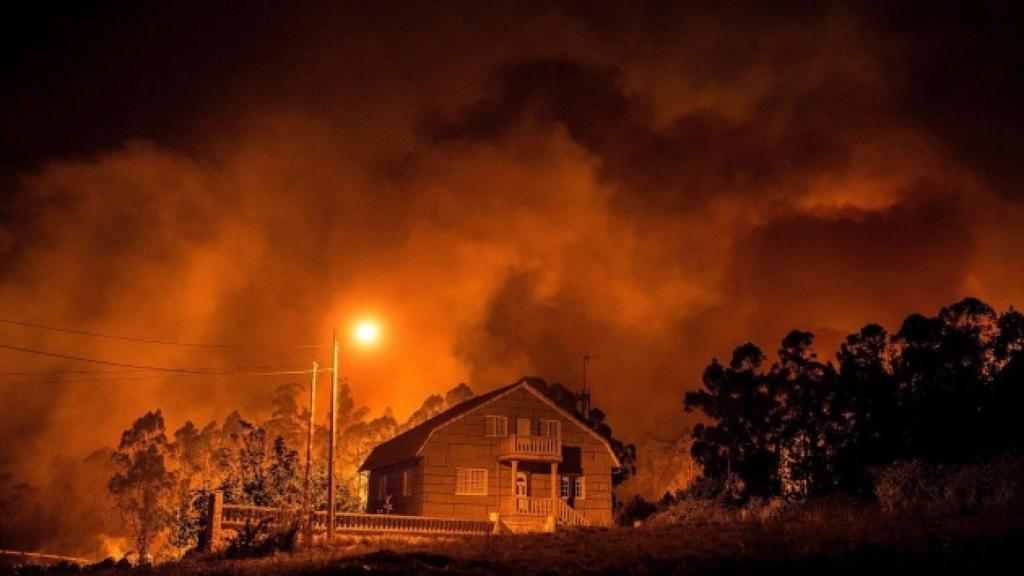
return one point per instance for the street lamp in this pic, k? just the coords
(366, 333)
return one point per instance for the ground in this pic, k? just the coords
(841, 545)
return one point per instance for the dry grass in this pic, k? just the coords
(844, 545)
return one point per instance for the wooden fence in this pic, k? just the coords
(234, 517)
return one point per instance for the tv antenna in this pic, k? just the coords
(583, 399)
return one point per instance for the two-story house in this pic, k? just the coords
(512, 454)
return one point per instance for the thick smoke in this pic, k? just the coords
(506, 190)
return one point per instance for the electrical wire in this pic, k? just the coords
(47, 372)
(57, 380)
(151, 340)
(144, 367)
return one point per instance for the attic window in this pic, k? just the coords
(496, 426)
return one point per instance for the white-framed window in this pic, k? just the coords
(496, 426)
(382, 487)
(550, 428)
(406, 483)
(471, 481)
(579, 488)
(564, 486)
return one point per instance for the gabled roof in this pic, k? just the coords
(407, 445)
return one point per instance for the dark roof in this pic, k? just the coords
(407, 445)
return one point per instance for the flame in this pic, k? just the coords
(113, 546)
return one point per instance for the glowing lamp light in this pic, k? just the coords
(367, 332)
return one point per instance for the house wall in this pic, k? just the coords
(400, 504)
(461, 443)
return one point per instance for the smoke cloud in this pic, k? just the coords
(504, 189)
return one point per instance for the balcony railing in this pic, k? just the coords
(543, 448)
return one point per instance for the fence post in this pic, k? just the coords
(215, 514)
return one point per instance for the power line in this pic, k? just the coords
(47, 372)
(151, 340)
(115, 380)
(138, 366)
(187, 375)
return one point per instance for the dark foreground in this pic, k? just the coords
(839, 545)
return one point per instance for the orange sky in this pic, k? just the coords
(504, 189)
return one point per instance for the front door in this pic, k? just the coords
(522, 491)
(522, 426)
(522, 485)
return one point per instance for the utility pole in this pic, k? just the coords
(307, 499)
(331, 496)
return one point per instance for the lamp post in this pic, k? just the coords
(366, 333)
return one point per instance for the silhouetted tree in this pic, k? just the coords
(942, 389)
(811, 432)
(458, 395)
(1007, 394)
(143, 484)
(942, 377)
(741, 449)
(864, 400)
(432, 406)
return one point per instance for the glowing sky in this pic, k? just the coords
(503, 187)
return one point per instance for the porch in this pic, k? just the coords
(534, 501)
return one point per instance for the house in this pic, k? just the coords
(512, 456)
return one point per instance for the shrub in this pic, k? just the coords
(256, 540)
(916, 486)
(636, 509)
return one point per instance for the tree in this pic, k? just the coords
(288, 420)
(810, 430)
(740, 450)
(432, 406)
(143, 484)
(458, 395)
(865, 401)
(1007, 394)
(252, 462)
(285, 484)
(943, 368)
(195, 452)
(941, 389)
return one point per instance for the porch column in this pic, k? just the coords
(515, 487)
(554, 486)
(553, 518)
